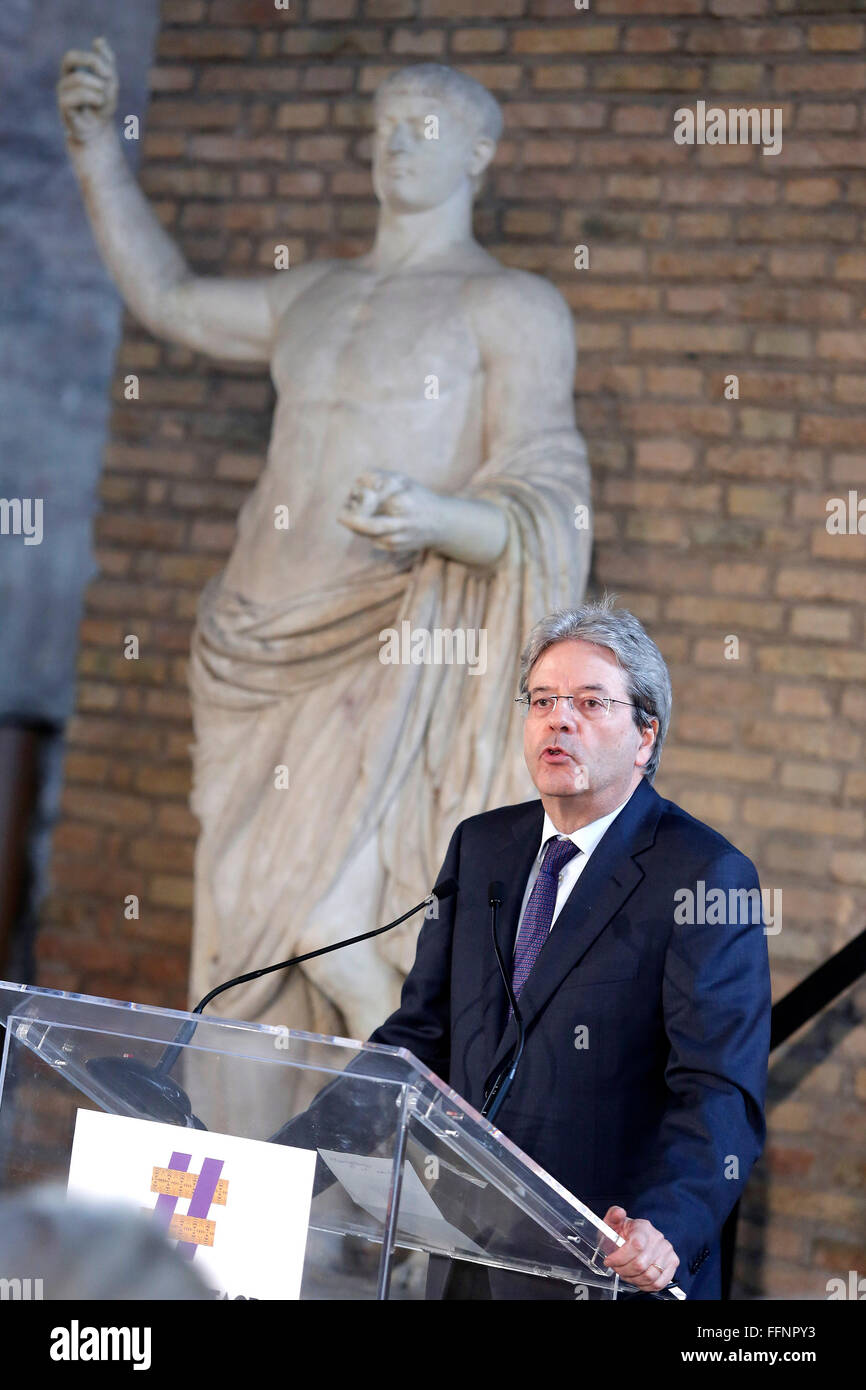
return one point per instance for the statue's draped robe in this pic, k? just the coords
(399, 752)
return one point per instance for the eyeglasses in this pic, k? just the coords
(592, 707)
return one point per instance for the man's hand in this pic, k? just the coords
(87, 91)
(646, 1260)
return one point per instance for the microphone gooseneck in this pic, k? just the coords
(152, 1092)
(443, 890)
(501, 1086)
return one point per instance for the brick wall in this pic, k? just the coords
(710, 513)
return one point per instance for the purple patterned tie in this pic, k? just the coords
(538, 916)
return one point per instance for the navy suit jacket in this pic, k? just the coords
(663, 1111)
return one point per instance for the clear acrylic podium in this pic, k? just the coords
(406, 1169)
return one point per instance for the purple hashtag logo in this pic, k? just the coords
(165, 1211)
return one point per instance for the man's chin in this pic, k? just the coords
(562, 780)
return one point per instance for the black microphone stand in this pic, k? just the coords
(151, 1090)
(501, 1086)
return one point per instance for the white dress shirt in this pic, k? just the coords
(586, 839)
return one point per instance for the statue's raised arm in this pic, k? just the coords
(227, 318)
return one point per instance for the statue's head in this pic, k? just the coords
(434, 129)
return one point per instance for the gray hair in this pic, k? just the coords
(647, 678)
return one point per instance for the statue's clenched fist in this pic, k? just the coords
(87, 90)
(394, 511)
(399, 514)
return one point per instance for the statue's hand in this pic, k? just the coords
(394, 511)
(87, 91)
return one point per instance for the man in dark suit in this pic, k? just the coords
(639, 958)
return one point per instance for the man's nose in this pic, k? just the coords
(563, 717)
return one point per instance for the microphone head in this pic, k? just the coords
(446, 889)
(495, 892)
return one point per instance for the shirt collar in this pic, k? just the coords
(588, 836)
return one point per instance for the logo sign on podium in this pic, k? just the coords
(237, 1209)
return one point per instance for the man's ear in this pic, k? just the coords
(645, 752)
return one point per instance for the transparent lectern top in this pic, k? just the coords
(404, 1161)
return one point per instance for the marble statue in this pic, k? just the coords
(424, 481)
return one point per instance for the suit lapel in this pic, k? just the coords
(608, 879)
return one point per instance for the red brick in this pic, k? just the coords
(687, 337)
(696, 226)
(850, 265)
(640, 7)
(814, 192)
(841, 346)
(704, 264)
(826, 429)
(236, 149)
(820, 77)
(647, 77)
(809, 264)
(827, 115)
(252, 77)
(105, 808)
(560, 77)
(736, 78)
(577, 38)
(171, 79)
(487, 40)
(639, 120)
(848, 468)
(204, 43)
(481, 9)
(241, 12)
(730, 613)
(790, 226)
(650, 38)
(739, 39)
(843, 38)
(667, 455)
(423, 45)
(674, 381)
(332, 9)
(820, 582)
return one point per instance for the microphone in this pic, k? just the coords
(152, 1091)
(501, 1086)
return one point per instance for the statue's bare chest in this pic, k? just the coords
(354, 335)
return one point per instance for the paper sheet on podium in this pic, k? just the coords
(367, 1181)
